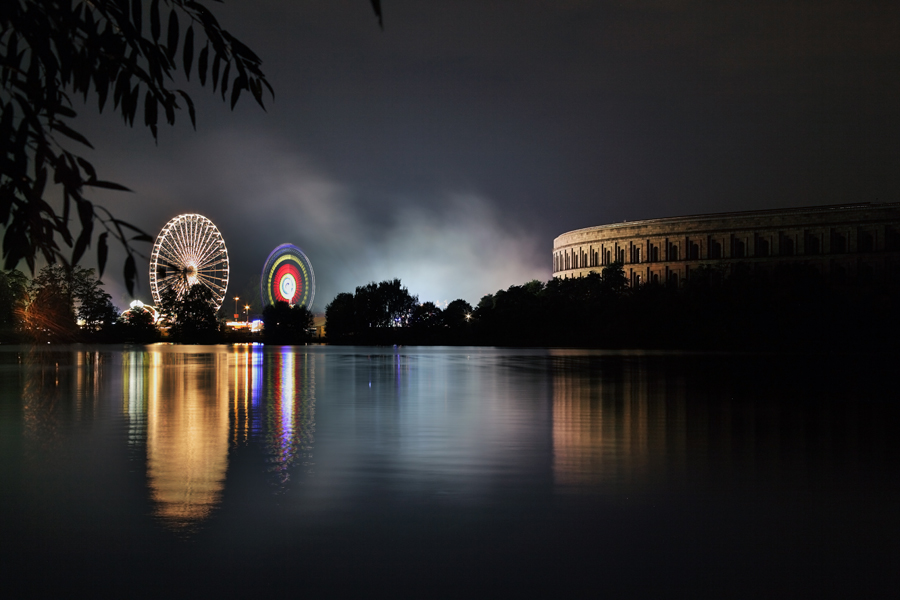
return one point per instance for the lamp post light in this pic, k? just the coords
(247, 313)
(236, 298)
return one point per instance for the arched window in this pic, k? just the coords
(812, 243)
(838, 243)
(865, 242)
(891, 238)
(786, 246)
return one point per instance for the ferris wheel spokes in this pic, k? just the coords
(189, 250)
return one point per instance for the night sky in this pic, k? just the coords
(450, 148)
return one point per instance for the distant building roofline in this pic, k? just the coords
(739, 214)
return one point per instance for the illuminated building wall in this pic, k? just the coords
(843, 240)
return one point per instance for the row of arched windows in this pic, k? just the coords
(723, 246)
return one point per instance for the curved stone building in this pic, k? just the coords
(846, 240)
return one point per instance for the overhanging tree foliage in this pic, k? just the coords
(122, 53)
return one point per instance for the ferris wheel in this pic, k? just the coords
(189, 251)
(288, 277)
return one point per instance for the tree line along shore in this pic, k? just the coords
(68, 305)
(788, 308)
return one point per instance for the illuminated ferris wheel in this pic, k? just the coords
(288, 277)
(189, 251)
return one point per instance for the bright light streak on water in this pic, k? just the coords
(136, 395)
(287, 400)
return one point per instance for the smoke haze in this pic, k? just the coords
(261, 193)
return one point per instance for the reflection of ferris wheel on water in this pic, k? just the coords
(288, 277)
(188, 251)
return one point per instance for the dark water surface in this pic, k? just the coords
(236, 471)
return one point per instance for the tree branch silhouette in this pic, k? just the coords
(123, 53)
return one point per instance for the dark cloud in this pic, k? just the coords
(452, 147)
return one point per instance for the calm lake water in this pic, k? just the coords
(229, 471)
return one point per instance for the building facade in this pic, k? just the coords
(842, 241)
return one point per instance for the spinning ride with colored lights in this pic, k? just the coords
(189, 251)
(288, 277)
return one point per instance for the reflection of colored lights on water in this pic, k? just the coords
(256, 362)
(241, 393)
(289, 406)
(247, 385)
(281, 413)
(287, 401)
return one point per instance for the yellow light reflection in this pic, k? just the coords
(613, 430)
(187, 433)
(245, 364)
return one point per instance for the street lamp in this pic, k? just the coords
(236, 298)
(247, 312)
